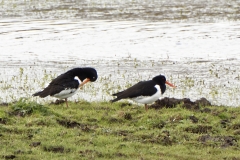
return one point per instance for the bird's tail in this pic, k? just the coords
(41, 94)
(114, 100)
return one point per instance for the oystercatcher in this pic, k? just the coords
(66, 84)
(145, 92)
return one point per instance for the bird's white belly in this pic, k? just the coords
(148, 99)
(66, 93)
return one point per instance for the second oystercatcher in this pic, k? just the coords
(145, 92)
(66, 84)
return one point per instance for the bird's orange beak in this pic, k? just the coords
(84, 82)
(170, 84)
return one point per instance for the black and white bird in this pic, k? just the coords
(145, 92)
(66, 84)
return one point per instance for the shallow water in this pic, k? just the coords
(202, 59)
(153, 10)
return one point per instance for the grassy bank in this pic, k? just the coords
(29, 130)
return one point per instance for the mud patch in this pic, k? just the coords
(193, 119)
(186, 103)
(206, 110)
(127, 116)
(22, 152)
(35, 144)
(237, 132)
(55, 149)
(236, 126)
(121, 155)
(199, 129)
(73, 124)
(159, 124)
(9, 157)
(90, 153)
(164, 138)
(3, 121)
(224, 123)
(125, 105)
(68, 123)
(222, 141)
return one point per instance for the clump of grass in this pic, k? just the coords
(25, 107)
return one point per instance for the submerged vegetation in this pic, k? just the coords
(29, 130)
(214, 80)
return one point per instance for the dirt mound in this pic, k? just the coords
(186, 103)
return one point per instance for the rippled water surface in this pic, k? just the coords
(195, 44)
(163, 10)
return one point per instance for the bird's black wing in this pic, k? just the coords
(58, 84)
(143, 88)
(56, 88)
(62, 79)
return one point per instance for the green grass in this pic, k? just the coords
(101, 130)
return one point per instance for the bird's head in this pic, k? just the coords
(87, 75)
(91, 74)
(161, 81)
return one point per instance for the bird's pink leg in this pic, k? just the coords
(146, 107)
(66, 102)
